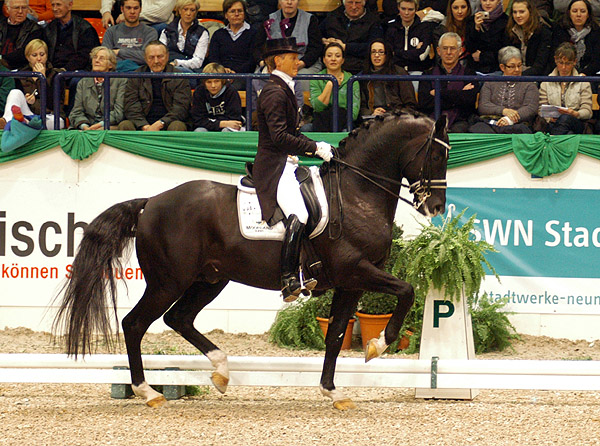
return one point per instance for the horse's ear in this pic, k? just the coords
(440, 124)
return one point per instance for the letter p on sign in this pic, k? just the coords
(438, 305)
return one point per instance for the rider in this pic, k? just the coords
(279, 144)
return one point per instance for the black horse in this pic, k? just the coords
(189, 247)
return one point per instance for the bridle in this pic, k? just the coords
(421, 189)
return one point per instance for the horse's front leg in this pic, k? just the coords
(380, 281)
(342, 307)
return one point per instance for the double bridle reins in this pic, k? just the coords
(421, 189)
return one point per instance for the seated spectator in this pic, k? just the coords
(39, 11)
(352, 27)
(529, 32)
(233, 45)
(156, 13)
(458, 97)
(486, 34)
(28, 92)
(410, 38)
(507, 107)
(88, 108)
(457, 15)
(129, 38)
(70, 38)
(6, 85)
(379, 97)
(321, 89)
(258, 84)
(216, 106)
(16, 31)
(299, 24)
(186, 40)
(158, 103)
(580, 28)
(562, 6)
(573, 98)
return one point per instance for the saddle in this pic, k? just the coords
(250, 219)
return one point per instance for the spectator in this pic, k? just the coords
(352, 27)
(70, 38)
(88, 110)
(216, 106)
(186, 40)
(457, 97)
(158, 103)
(410, 38)
(129, 38)
(580, 28)
(573, 98)
(156, 13)
(457, 15)
(6, 85)
(16, 31)
(258, 84)
(379, 97)
(39, 10)
(507, 107)
(320, 93)
(233, 45)
(27, 95)
(486, 34)
(528, 31)
(301, 25)
(562, 6)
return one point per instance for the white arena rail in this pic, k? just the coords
(293, 371)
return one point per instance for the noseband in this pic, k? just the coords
(421, 189)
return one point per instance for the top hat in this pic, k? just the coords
(280, 46)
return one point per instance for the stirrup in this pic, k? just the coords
(306, 286)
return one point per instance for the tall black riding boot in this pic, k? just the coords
(290, 259)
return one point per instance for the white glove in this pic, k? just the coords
(324, 151)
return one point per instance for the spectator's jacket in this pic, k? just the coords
(278, 136)
(356, 34)
(87, 103)
(29, 31)
(85, 38)
(29, 86)
(397, 93)
(578, 95)
(520, 96)
(488, 42)
(192, 38)
(209, 111)
(406, 53)
(138, 98)
(538, 52)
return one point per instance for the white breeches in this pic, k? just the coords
(289, 197)
(17, 97)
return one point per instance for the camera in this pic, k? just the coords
(486, 15)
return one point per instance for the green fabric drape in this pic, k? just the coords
(540, 154)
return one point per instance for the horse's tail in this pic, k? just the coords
(84, 310)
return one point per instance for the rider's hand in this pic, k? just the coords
(324, 151)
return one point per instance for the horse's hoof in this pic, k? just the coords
(219, 381)
(157, 402)
(345, 404)
(371, 350)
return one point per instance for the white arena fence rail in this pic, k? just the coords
(181, 370)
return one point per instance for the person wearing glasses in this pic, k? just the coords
(233, 45)
(16, 31)
(379, 97)
(457, 97)
(573, 100)
(507, 107)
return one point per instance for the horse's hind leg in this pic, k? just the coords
(181, 319)
(343, 305)
(151, 306)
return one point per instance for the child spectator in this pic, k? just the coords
(216, 105)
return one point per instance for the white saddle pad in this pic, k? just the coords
(254, 228)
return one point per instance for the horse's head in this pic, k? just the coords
(424, 166)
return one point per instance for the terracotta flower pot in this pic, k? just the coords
(371, 325)
(347, 342)
(405, 340)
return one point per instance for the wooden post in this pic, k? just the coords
(447, 334)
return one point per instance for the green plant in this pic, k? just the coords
(492, 331)
(296, 326)
(322, 304)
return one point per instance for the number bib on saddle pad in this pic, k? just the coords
(254, 228)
